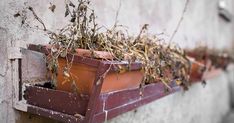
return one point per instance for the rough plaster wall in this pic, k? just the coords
(13, 34)
(6, 111)
(201, 24)
(231, 78)
(3, 67)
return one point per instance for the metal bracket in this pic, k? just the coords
(20, 104)
(27, 67)
(14, 53)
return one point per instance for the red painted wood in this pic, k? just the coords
(60, 101)
(100, 107)
(58, 116)
(124, 101)
(103, 69)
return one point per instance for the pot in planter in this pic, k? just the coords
(197, 70)
(83, 72)
(84, 76)
(201, 63)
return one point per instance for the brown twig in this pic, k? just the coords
(180, 21)
(37, 18)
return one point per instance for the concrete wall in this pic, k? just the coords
(201, 22)
(201, 25)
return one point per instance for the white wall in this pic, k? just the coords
(201, 25)
(201, 22)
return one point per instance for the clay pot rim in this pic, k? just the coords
(90, 54)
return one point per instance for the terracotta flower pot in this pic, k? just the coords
(199, 66)
(96, 54)
(197, 71)
(81, 52)
(84, 76)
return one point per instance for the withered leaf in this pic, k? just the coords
(30, 8)
(52, 7)
(178, 82)
(71, 4)
(67, 11)
(63, 54)
(17, 14)
(204, 82)
(73, 19)
(22, 22)
(122, 69)
(66, 74)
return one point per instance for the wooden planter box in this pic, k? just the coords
(84, 71)
(98, 105)
(69, 107)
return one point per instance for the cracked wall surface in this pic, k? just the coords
(201, 25)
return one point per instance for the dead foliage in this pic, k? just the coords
(161, 62)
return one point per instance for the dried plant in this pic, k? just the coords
(161, 62)
(218, 58)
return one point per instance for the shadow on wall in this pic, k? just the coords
(229, 118)
(30, 118)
